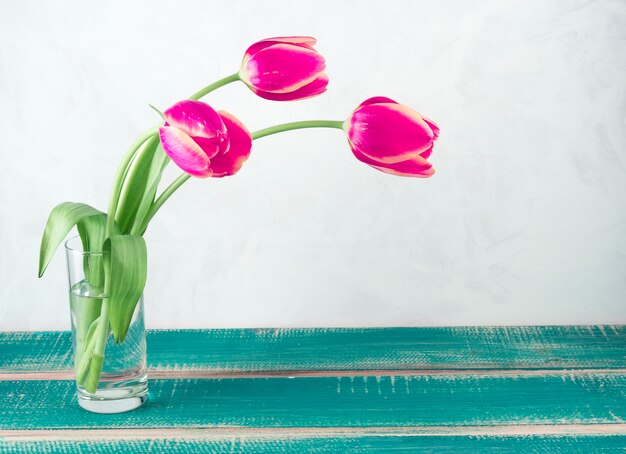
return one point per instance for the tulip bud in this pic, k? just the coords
(203, 142)
(284, 69)
(392, 138)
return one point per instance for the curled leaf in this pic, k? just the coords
(135, 185)
(126, 263)
(61, 220)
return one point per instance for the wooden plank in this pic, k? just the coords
(388, 401)
(541, 389)
(455, 348)
(442, 444)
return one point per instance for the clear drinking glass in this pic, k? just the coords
(123, 384)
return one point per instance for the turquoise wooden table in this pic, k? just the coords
(539, 389)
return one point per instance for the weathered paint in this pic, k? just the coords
(541, 389)
(405, 444)
(175, 374)
(463, 348)
(333, 402)
(196, 433)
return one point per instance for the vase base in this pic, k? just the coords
(112, 401)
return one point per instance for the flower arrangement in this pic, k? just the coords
(205, 142)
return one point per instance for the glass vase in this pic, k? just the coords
(122, 384)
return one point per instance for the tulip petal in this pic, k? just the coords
(384, 99)
(240, 145)
(306, 41)
(417, 166)
(282, 67)
(426, 154)
(195, 118)
(377, 100)
(315, 88)
(388, 132)
(212, 145)
(433, 127)
(185, 153)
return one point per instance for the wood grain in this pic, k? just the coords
(385, 401)
(493, 389)
(367, 444)
(455, 348)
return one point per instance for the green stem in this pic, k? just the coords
(255, 135)
(215, 85)
(94, 356)
(167, 192)
(297, 125)
(85, 358)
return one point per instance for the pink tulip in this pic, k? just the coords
(284, 69)
(203, 142)
(392, 138)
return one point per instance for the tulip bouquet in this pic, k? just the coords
(205, 142)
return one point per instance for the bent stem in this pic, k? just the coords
(297, 125)
(255, 135)
(167, 192)
(85, 357)
(214, 86)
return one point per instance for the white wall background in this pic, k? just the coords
(524, 222)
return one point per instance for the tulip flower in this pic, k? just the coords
(392, 138)
(204, 142)
(284, 69)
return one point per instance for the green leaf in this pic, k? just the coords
(159, 163)
(135, 185)
(62, 219)
(92, 231)
(126, 263)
